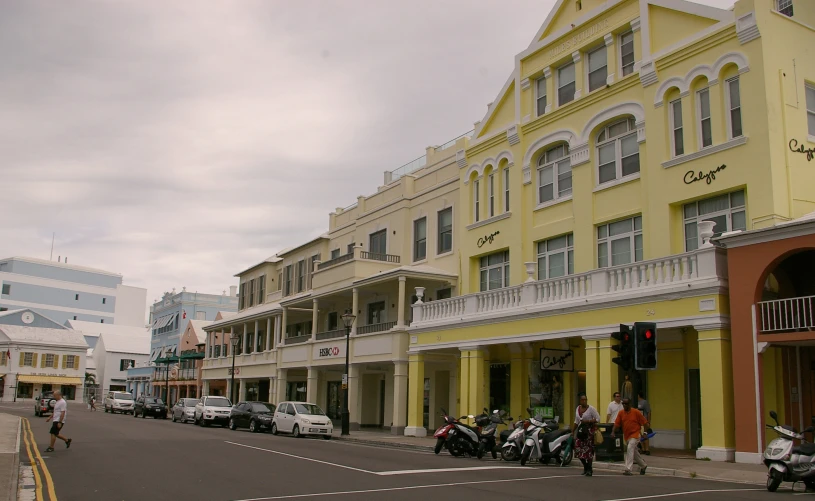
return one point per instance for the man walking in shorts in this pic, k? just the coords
(59, 414)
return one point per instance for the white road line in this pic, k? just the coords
(442, 470)
(299, 457)
(686, 493)
(407, 488)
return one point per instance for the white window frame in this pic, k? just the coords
(50, 362)
(477, 200)
(543, 253)
(440, 252)
(70, 362)
(607, 241)
(28, 359)
(730, 107)
(700, 119)
(416, 258)
(503, 266)
(634, 62)
(557, 90)
(506, 189)
(681, 128)
(809, 106)
(728, 213)
(540, 82)
(782, 5)
(335, 253)
(588, 66)
(491, 193)
(544, 163)
(618, 158)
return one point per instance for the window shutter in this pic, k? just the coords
(34, 360)
(65, 361)
(56, 361)
(22, 358)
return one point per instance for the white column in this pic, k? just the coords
(354, 309)
(231, 335)
(241, 389)
(400, 384)
(314, 317)
(205, 390)
(206, 345)
(400, 306)
(276, 332)
(313, 384)
(354, 395)
(255, 337)
(283, 324)
(272, 390)
(281, 385)
(269, 334)
(245, 339)
(224, 342)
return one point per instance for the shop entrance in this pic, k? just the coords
(499, 387)
(695, 408)
(296, 391)
(334, 400)
(263, 390)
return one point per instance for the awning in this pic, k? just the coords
(155, 354)
(24, 378)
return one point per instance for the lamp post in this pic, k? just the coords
(348, 320)
(234, 340)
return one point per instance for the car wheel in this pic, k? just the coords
(296, 432)
(274, 428)
(204, 422)
(143, 414)
(173, 417)
(134, 413)
(253, 426)
(326, 437)
(233, 425)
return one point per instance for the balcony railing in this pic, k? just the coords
(368, 329)
(388, 258)
(296, 339)
(336, 260)
(794, 314)
(330, 334)
(646, 276)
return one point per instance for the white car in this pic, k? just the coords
(184, 410)
(212, 410)
(300, 419)
(119, 401)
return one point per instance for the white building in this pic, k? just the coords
(38, 354)
(63, 291)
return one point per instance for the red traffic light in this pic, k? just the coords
(648, 334)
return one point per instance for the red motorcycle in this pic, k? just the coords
(443, 431)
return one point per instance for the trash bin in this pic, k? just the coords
(612, 449)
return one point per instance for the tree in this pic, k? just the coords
(90, 379)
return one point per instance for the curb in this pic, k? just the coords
(15, 472)
(390, 445)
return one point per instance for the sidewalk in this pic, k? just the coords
(664, 462)
(9, 456)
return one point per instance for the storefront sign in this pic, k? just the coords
(329, 352)
(487, 239)
(573, 42)
(545, 412)
(557, 360)
(693, 176)
(796, 148)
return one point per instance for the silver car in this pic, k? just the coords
(184, 410)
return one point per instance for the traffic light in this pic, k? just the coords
(645, 342)
(624, 348)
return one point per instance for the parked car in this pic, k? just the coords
(257, 416)
(212, 410)
(150, 406)
(301, 418)
(44, 403)
(118, 401)
(184, 410)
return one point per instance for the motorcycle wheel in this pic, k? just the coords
(480, 453)
(567, 459)
(810, 485)
(509, 454)
(439, 445)
(525, 455)
(494, 453)
(773, 480)
(457, 447)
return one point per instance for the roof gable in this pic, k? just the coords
(43, 336)
(16, 317)
(669, 26)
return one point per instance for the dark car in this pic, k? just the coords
(257, 416)
(44, 403)
(150, 406)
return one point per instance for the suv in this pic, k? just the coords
(150, 406)
(212, 410)
(119, 401)
(44, 403)
(301, 418)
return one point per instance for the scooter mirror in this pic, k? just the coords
(462, 417)
(774, 415)
(809, 429)
(470, 416)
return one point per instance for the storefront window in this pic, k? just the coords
(252, 392)
(296, 391)
(546, 391)
(68, 392)
(334, 400)
(25, 390)
(499, 387)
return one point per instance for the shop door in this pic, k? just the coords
(695, 408)
(263, 390)
(499, 387)
(334, 400)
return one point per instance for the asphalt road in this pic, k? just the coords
(119, 458)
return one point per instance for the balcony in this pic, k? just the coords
(790, 315)
(322, 336)
(335, 261)
(370, 329)
(387, 258)
(296, 339)
(673, 274)
(344, 270)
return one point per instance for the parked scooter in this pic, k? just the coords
(487, 441)
(787, 462)
(544, 441)
(512, 440)
(459, 438)
(442, 434)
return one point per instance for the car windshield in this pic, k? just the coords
(309, 409)
(262, 408)
(190, 403)
(218, 402)
(152, 400)
(122, 396)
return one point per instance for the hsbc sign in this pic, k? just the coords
(331, 351)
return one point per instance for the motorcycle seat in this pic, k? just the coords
(805, 449)
(553, 435)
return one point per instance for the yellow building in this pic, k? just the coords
(628, 134)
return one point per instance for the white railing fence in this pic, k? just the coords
(791, 314)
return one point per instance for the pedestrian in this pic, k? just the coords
(630, 421)
(59, 415)
(585, 419)
(93, 403)
(614, 407)
(645, 408)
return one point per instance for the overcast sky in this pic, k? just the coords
(178, 142)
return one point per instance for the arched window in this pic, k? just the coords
(618, 152)
(554, 174)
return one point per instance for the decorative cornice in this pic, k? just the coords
(648, 73)
(579, 154)
(527, 171)
(640, 131)
(576, 56)
(547, 72)
(512, 135)
(705, 152)
(493, 219)
(610, 79)
(525, 84)
(746, 28)
(635, 25)
(461, 159)
(609, 39)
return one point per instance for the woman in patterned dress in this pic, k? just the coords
(585, 419)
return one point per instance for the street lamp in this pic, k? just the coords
(235, 339)
(348, 320)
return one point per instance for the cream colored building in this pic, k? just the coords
(292, 341)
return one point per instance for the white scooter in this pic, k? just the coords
(544, 441)
(787, 462)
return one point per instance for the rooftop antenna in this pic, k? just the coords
(54, 234)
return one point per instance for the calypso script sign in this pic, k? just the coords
(557, 360)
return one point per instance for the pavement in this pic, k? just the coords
(9, 456)
(119, 458)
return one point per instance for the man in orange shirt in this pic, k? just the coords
(631, 421)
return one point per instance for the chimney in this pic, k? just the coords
(233, 290)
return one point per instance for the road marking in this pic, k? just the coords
(410, 487)
(443, 470)
(32, 460)
(49, 482)
(686, 493)
(299, 457)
